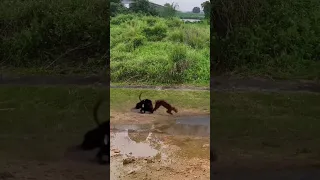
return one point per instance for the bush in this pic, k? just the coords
(38, 33)
(272, 38)
(164, 52)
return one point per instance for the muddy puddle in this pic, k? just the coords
(189, 126)
(129, 146)
(138, 147)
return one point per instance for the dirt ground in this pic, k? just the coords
(150, 153)
(43, 170)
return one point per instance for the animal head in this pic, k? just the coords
(139, 105)
(96, 137)
(91, 140)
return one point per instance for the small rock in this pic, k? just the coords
(131, 172)
(128, 161)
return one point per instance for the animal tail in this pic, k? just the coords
(140, 96)
(95, 111)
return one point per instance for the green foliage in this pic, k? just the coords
(206, 7)
(196, 10)
(116, 7)
(48, 33)
(270, 38)
(158, 50)
(143, 7)
(188, 15)
(169, 10)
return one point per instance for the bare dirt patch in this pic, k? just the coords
(132, 117)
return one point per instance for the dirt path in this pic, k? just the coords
(63, 170)
(217, 84)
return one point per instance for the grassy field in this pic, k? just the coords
(159, 51)
(124, 99)
(266, 127)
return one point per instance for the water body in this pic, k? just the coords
(189, 126)
(191, 20)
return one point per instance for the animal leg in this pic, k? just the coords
(157, 105)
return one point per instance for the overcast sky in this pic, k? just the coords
(184, 5)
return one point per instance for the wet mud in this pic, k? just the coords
(161, 150)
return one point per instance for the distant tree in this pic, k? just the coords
(206, 7)
(143, 6)
(196, 10)
(169, 10)
(116, 7)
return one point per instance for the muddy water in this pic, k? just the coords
(134, 146)
(131, 144)
(189, 126)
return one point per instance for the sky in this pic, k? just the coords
(184, 5)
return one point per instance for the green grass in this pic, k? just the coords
(44, 122)
(155, 50)
(123, 99)
(268, 126)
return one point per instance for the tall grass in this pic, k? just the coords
(157, 50)
(278, 39)
(49, 33)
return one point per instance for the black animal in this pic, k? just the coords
(98, 137)
(144, 105)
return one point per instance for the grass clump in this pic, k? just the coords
(156, 50)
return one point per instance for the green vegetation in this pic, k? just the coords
(45, 121)
(190, 15)
(266, 126)
(267, 38)
(158, 50)
(60, 35)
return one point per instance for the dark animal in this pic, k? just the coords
(165, 105)
(144, 105)
(98, 137)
